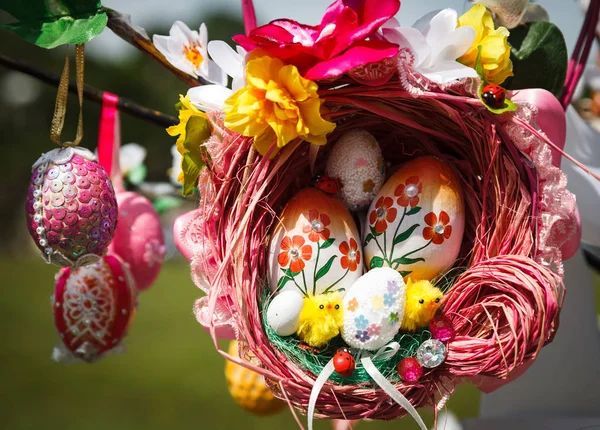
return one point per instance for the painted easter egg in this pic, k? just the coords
(139, 239)
(283, 312)
(248, 388)
(93, 307)
(315, 246)
(373, 309)
(356, 162)
(71, 207)
(416, 223)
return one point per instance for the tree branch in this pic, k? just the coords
(120, 24)
(90, 93)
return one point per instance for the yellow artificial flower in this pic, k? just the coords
(185, 113)
(276, 105)
(495, 50)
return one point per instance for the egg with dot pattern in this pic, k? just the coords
(93, 307)
(71, 207)
(416, 222)
(356, 162)
(248, 388)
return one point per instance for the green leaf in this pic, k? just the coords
(373, 232)
(405, 234)
(404, 273)
(478, 65)
(540, 58)
(166, 203)
(58, 22)
(414, 210)
(406, 260)
(282, 281)
(327, 243)
(368, 239)
(137, 175)
(376, 262)
(509, 106)
(289, 273)
(197, 131)
(323, 270)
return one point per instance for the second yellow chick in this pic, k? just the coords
(422, 302)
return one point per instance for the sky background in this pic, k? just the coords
(160, 13)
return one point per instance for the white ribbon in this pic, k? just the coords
(384, 353)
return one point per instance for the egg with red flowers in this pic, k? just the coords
(416, 223)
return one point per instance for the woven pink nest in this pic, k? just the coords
(504, 307)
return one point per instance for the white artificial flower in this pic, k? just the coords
(436, 43)
(131, 156)
(175, 169)
(212, 97)
(187, 50)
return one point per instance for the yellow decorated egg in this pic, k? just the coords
(315, 246)
(249, 389)
(416, 222)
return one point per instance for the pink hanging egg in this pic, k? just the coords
(93, 307)
(71, 207)
(410, 370)
(139, 239)
(441, 328)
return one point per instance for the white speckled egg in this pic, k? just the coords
(416, 223)
(283, 312)
(315, 246)
(373, 309)
(357, 163)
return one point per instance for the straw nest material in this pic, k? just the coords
(504, 306)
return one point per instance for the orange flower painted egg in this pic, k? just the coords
(416, 222)
(315, 246)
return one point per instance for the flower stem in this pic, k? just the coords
(336, 282)
(382, 251)
(315, 271)
(395, 233)
(304, 280)
(412, 252)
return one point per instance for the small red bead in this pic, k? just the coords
(343, 362)
(410, 370)
(441, 328)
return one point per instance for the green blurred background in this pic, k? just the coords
(170, 376)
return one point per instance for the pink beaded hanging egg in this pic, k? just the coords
(93, 308)
(71, 207)
(139, 239)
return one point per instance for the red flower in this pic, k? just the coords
(437, 230)
(295, 251)
(338, 44)
(351, 258)
(408, 193)
(383, 213)
(316, 226)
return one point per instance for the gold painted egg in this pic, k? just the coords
(249, 389)
(315, 246)
(416, 222)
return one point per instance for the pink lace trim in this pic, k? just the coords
(555, 206)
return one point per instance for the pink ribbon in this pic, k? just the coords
(109, 139)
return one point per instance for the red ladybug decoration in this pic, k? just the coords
(343, 362)
(493, 95)
(326, 184)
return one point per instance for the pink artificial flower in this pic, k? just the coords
(338, 44)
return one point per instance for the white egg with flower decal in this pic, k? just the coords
(416, 223)
(315, 246)
(374, 309)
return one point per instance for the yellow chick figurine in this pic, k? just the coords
(321, 319)
(422, 302)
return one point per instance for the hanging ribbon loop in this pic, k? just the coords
(60, 107)
(384, 353)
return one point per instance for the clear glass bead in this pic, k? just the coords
(431, 353)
